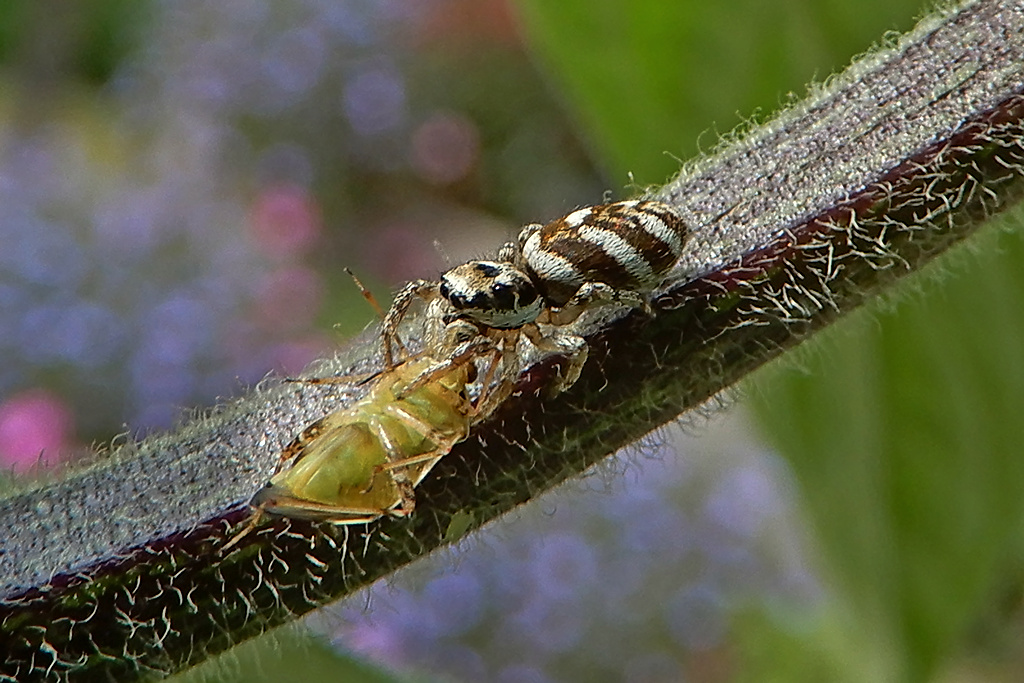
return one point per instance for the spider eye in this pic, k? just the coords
(488, 270)
(503, 296)
(490, 293)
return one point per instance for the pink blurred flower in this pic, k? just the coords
(285, 221)
(445, 148)
(35, 427)
(289, 299)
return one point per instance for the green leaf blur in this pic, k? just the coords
(652, 82)
(286, 655)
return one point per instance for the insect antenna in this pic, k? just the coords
(367, 294)
(372, 300)
(362, 378)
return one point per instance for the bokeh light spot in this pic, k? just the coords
(374, 100)
(35, 426)
(445, 148)
(285, 221)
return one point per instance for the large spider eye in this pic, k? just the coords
(503, 296)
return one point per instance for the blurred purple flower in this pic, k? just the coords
(457, 602)
(551, 626)
(293, 64)
(563, 566)
(377, 641)
(695, 617)
(374, 99)
(743, 500)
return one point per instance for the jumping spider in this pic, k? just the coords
(611, 253)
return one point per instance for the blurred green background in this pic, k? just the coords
(180, 183)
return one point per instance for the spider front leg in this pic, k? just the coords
(460, 355)
(590, 295)
(423, 289)
(572, 346)
(504, 356)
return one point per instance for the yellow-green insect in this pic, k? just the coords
(363, 462)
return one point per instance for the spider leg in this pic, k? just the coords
(423, 289)
(592, 294)
(506, 344)
(572, 346)
(464, 353)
